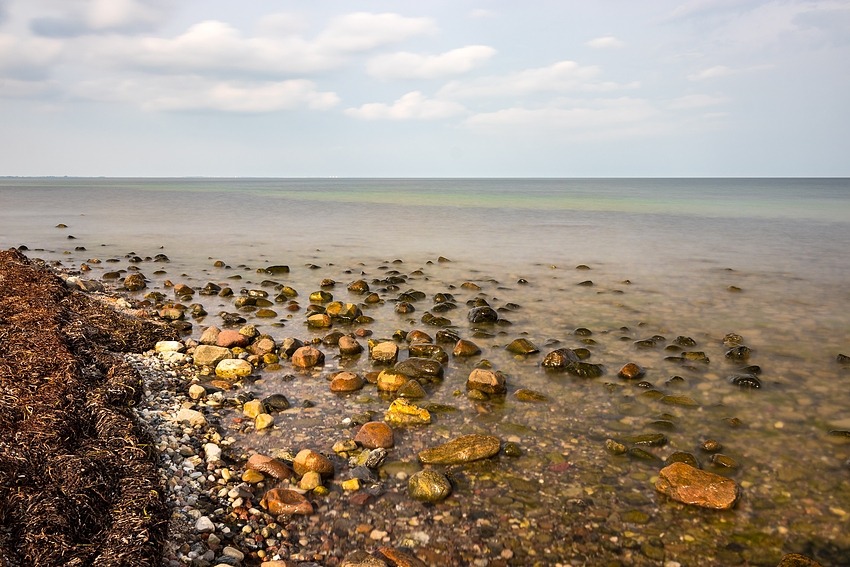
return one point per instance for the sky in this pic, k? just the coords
(454, 88)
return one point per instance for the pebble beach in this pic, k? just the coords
(324, 407)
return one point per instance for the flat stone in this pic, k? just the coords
(463, 449)
(696, 487)
(465, 348)
(426, 369)
(282, 501)
(390, 380)
(522, 346)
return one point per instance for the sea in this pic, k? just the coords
(621, 267)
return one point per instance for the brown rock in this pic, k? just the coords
(263, 345)
(307, 357)
(280, 501)
(400, 558)
(230, 338)
(374, 435)
(346, 382)
(390, 380)
(466, 348)
(269, 466)
(690, 485)
(386, 352)
(360, 558)
(487, 381)
(308, 460)
(183, 289)
(210, 336)
(631, 371)
(348, 346)
(463, 449)
(797, 560)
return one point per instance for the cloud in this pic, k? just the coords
(570, 116)
(693, 101)
(27, 58)
(412, 106)
(605, 42)
(405, 65)
(19, 88)
(720, 71)
(194, 93)
(482, 14)
(102, 16)
(365, 31)
(560, 77)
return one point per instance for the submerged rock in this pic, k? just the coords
(463, 449)
(689, 485)
(429, 486)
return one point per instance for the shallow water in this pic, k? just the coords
(765, 259)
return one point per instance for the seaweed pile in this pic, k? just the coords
(79, 483)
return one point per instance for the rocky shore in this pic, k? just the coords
(344, 441)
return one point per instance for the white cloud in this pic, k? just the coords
(605, 42)
(482, 14)
(27, 57)
(560, 77)
(570, 117)
(412, 106)
(17, 88)
(194, 93)
(406, 65)
(102, 16)
(689, 102)
(364, 31)
(720, 71)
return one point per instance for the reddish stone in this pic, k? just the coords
(229, 338)
(374, 435)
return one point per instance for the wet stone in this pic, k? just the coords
(631, 371)
(483, 314)
(745, 381)
(429, 486)
(689, 485)
(522, 347)
(424, 369)
(739, 354)
(462, 449)
(279, 501)
(465, 348)
(486, 381)
(375, 434)
(646, 439)
(307, 357)
(682, 457)
(559, 359)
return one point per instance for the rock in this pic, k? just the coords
(307, 357)
(309, 460)
(204, 525)
(631, 371)
(746, 381)
(385, 352)
(402, 412)
(263, 345)
(429, 486)
(559, 359)
(183, 290)
(212, 452)
(347, 382)
(412, 389)
(135, 282)
(208, 355)
(360, 558)
(522, 346)
(277, 269)
(842, 359)
(252, 408)
(196, 391)
(269, 466)
(320, 321)
(487, 381)
(348, 346)
(192, 417)
(483, 314)
(169, 346)
(263, 421)
(389, 380)
(400, 558)
(422, 369)
(310, 480)
(230, 338)
(462, 450)
(280, 501)
(797, 560)
(374, 435)
(346, 312)
(465, 348)
(739, 353)
(233, 368)
(689, 485)
(526, 395)
(359, 287)
(209, 336)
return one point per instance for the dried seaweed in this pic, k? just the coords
(79, 483)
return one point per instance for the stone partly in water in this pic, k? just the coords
(423, 369)
(487, 381)
(402, 412)
(522, 347)
(269, 466)
(689, 485)
(465, 348)
(134, 282)
(745, 381)
(347, 382)
(307, 357)
(279, 501)
(230, 338)
(374, 435)
(463, 449)
(385, 352)
(429, 486)
(483, 314)
(797, 560)
(308, 460)
(631, 371)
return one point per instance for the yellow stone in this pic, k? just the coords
(263, 421)
(252, 409)
(252, 477)
(402, 412)
(310, 480)
(351, 484)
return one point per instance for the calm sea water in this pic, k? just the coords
(765, 258)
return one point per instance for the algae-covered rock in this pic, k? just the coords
(463, 449)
